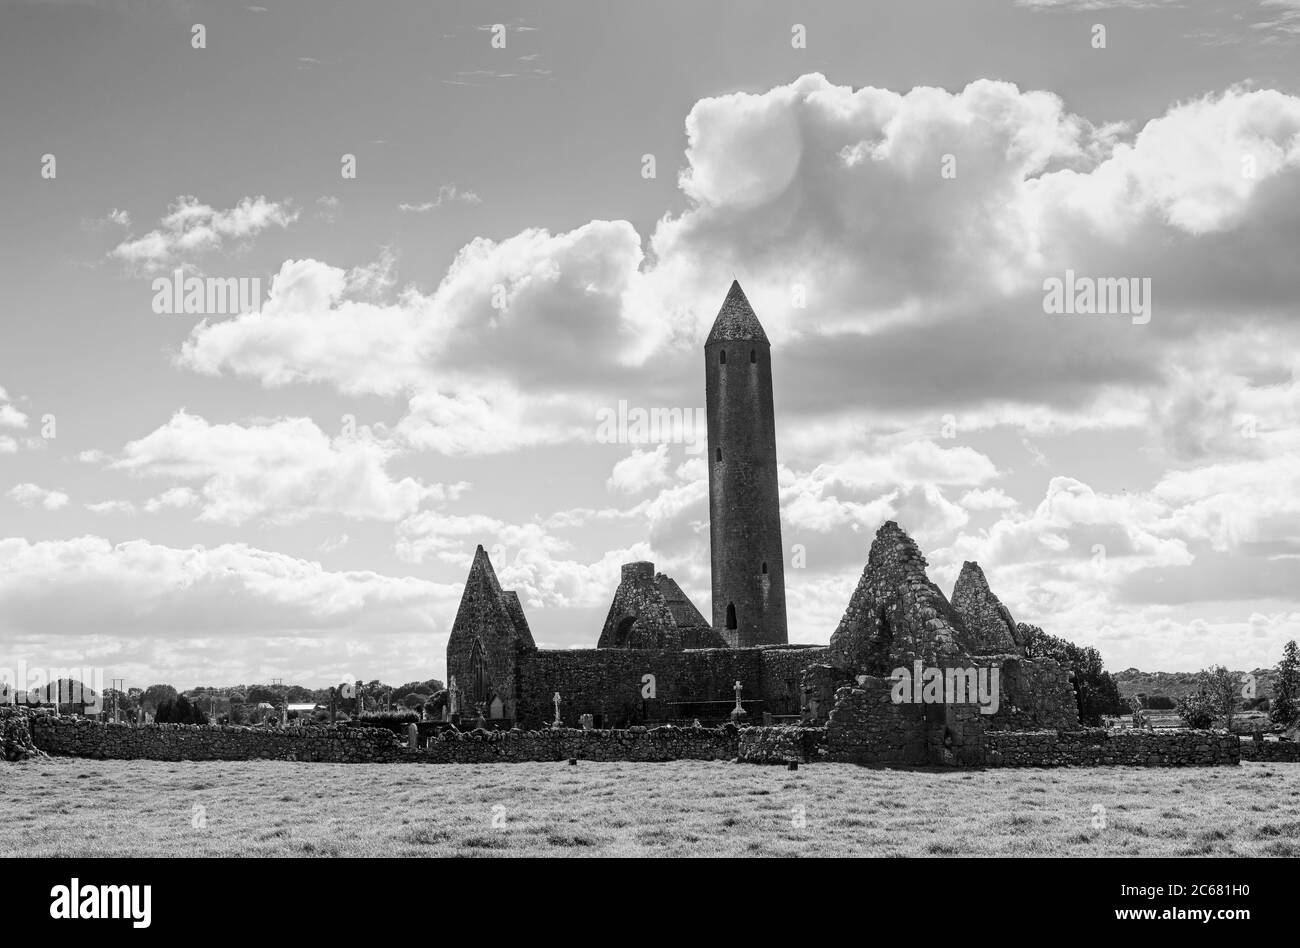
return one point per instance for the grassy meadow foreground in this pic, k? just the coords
(75, 807)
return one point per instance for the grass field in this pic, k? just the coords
(74, 807)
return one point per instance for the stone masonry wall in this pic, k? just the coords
(780, 745)
(992, 630)
(1033, 695)
(782, 673)
(867, 727)
(1278, 752)
(639, 616)
(1094, 746)
(632, 744)
(610, 682)
(487, 637)
(896, 615)
(15, 734)
(78, 737)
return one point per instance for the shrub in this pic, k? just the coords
(179, 711)
(395, 721)
(1197, 709)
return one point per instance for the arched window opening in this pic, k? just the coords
(719, 454)
(764, 569)
(731, 615)
(753, 357)
(623, 632)
(722, 357)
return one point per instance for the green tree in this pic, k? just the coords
(1224, 689)
(1285, 707)
(154, 695)
(1095, 689)
(258, 694)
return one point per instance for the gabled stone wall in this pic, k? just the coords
(896, 615)
(488, 637)
(639, 617)
(991, 628)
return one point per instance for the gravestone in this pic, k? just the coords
(412, 736)
(586, 722)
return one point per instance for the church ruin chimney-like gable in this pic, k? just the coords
(639, 616)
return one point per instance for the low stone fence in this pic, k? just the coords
(15, 735)
(1094, 746)
(780, 745)
(1280, 752)
(636, 743)
(78, 737)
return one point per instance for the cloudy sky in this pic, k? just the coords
(296, 492)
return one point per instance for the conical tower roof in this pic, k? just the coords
(736, 320)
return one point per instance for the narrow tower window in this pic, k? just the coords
(722, 357)
(764, 569)
(753, 357)
(719, 455)
(731, 615)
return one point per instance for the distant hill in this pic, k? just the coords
(1176, 684)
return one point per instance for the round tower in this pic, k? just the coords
(744, 507)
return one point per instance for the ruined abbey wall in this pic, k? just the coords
(896, 615)
(1033, 695)
(866, 726)
(782, 679)
(610, 683)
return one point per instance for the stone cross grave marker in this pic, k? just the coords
(556, 699)
(738, 713)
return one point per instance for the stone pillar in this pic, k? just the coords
(412, 736)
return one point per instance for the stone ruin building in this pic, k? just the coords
(658, 660)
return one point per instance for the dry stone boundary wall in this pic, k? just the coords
(1090, 747)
